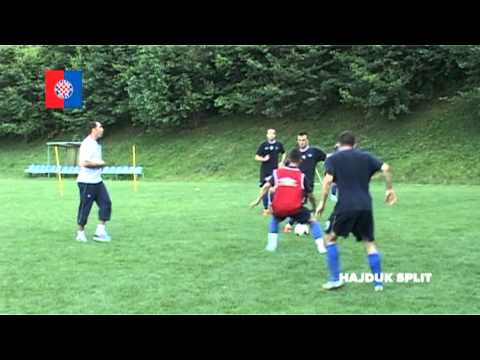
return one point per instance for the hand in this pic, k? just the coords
(390, 197)
(319, 211)
(266, 157)
(255, 203)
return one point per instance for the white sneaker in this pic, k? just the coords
(81, 237)
(102, 238)
(321, 246)
(378, 287)
(331, 285)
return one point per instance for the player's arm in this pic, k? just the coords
(390, 196)
(312, 200)
(265, 188)
(92, 164)
(309, 192)
(85, 159)
(282, 161)
(327, 182)
(262, 158)
(260, 155)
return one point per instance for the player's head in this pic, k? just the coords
(346, 138)
(96, 129)
(295, 156)
(302, 140)
(271, 134)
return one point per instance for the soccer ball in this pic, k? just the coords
(302, 229)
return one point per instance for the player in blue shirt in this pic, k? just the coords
(311, 156)
(268, 154)
(351, 170)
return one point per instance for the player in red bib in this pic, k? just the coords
(290, 187)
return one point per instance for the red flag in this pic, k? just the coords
(52, 77)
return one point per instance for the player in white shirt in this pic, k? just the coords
(91, 186)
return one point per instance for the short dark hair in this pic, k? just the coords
(346, 138)
(295, 156)
(92, 125)
(302, 133)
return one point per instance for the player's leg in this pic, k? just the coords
(333, 262)
(315, 230)
(291, 221)
(86, 202)
(340, 224)
(364, 231)
(273, 233)
(266, 200)
(104, 203)
(373, 257)
(289, 226)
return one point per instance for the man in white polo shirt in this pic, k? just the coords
(91, 186)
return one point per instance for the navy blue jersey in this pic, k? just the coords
(352, 171)
(274, 150)
(310, 158)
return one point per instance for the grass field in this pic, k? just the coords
(178, 250)
(433, 145)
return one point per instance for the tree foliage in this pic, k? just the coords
(157, 86)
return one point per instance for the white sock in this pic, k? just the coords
(320, 244)
(272, 241)
(100, 229)
(80, 232)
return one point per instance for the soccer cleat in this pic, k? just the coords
(332, 285)
(266, 212)
(102, 238)
(81, 237)
(378, 287)
(288, 228)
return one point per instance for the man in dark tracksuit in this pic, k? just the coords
(91, 186)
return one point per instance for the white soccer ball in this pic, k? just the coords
(301, 229)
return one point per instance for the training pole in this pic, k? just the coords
(60, 183)
(135, 185)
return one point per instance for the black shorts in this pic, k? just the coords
(264, 180)
(357, 222)
(302, 216)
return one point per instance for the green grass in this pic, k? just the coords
(178, 250)
(434, 144)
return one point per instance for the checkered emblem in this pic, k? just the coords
(63, 89)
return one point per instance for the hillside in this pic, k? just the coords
(434, 144)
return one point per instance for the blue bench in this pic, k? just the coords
(39, 169)
(123, 170)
